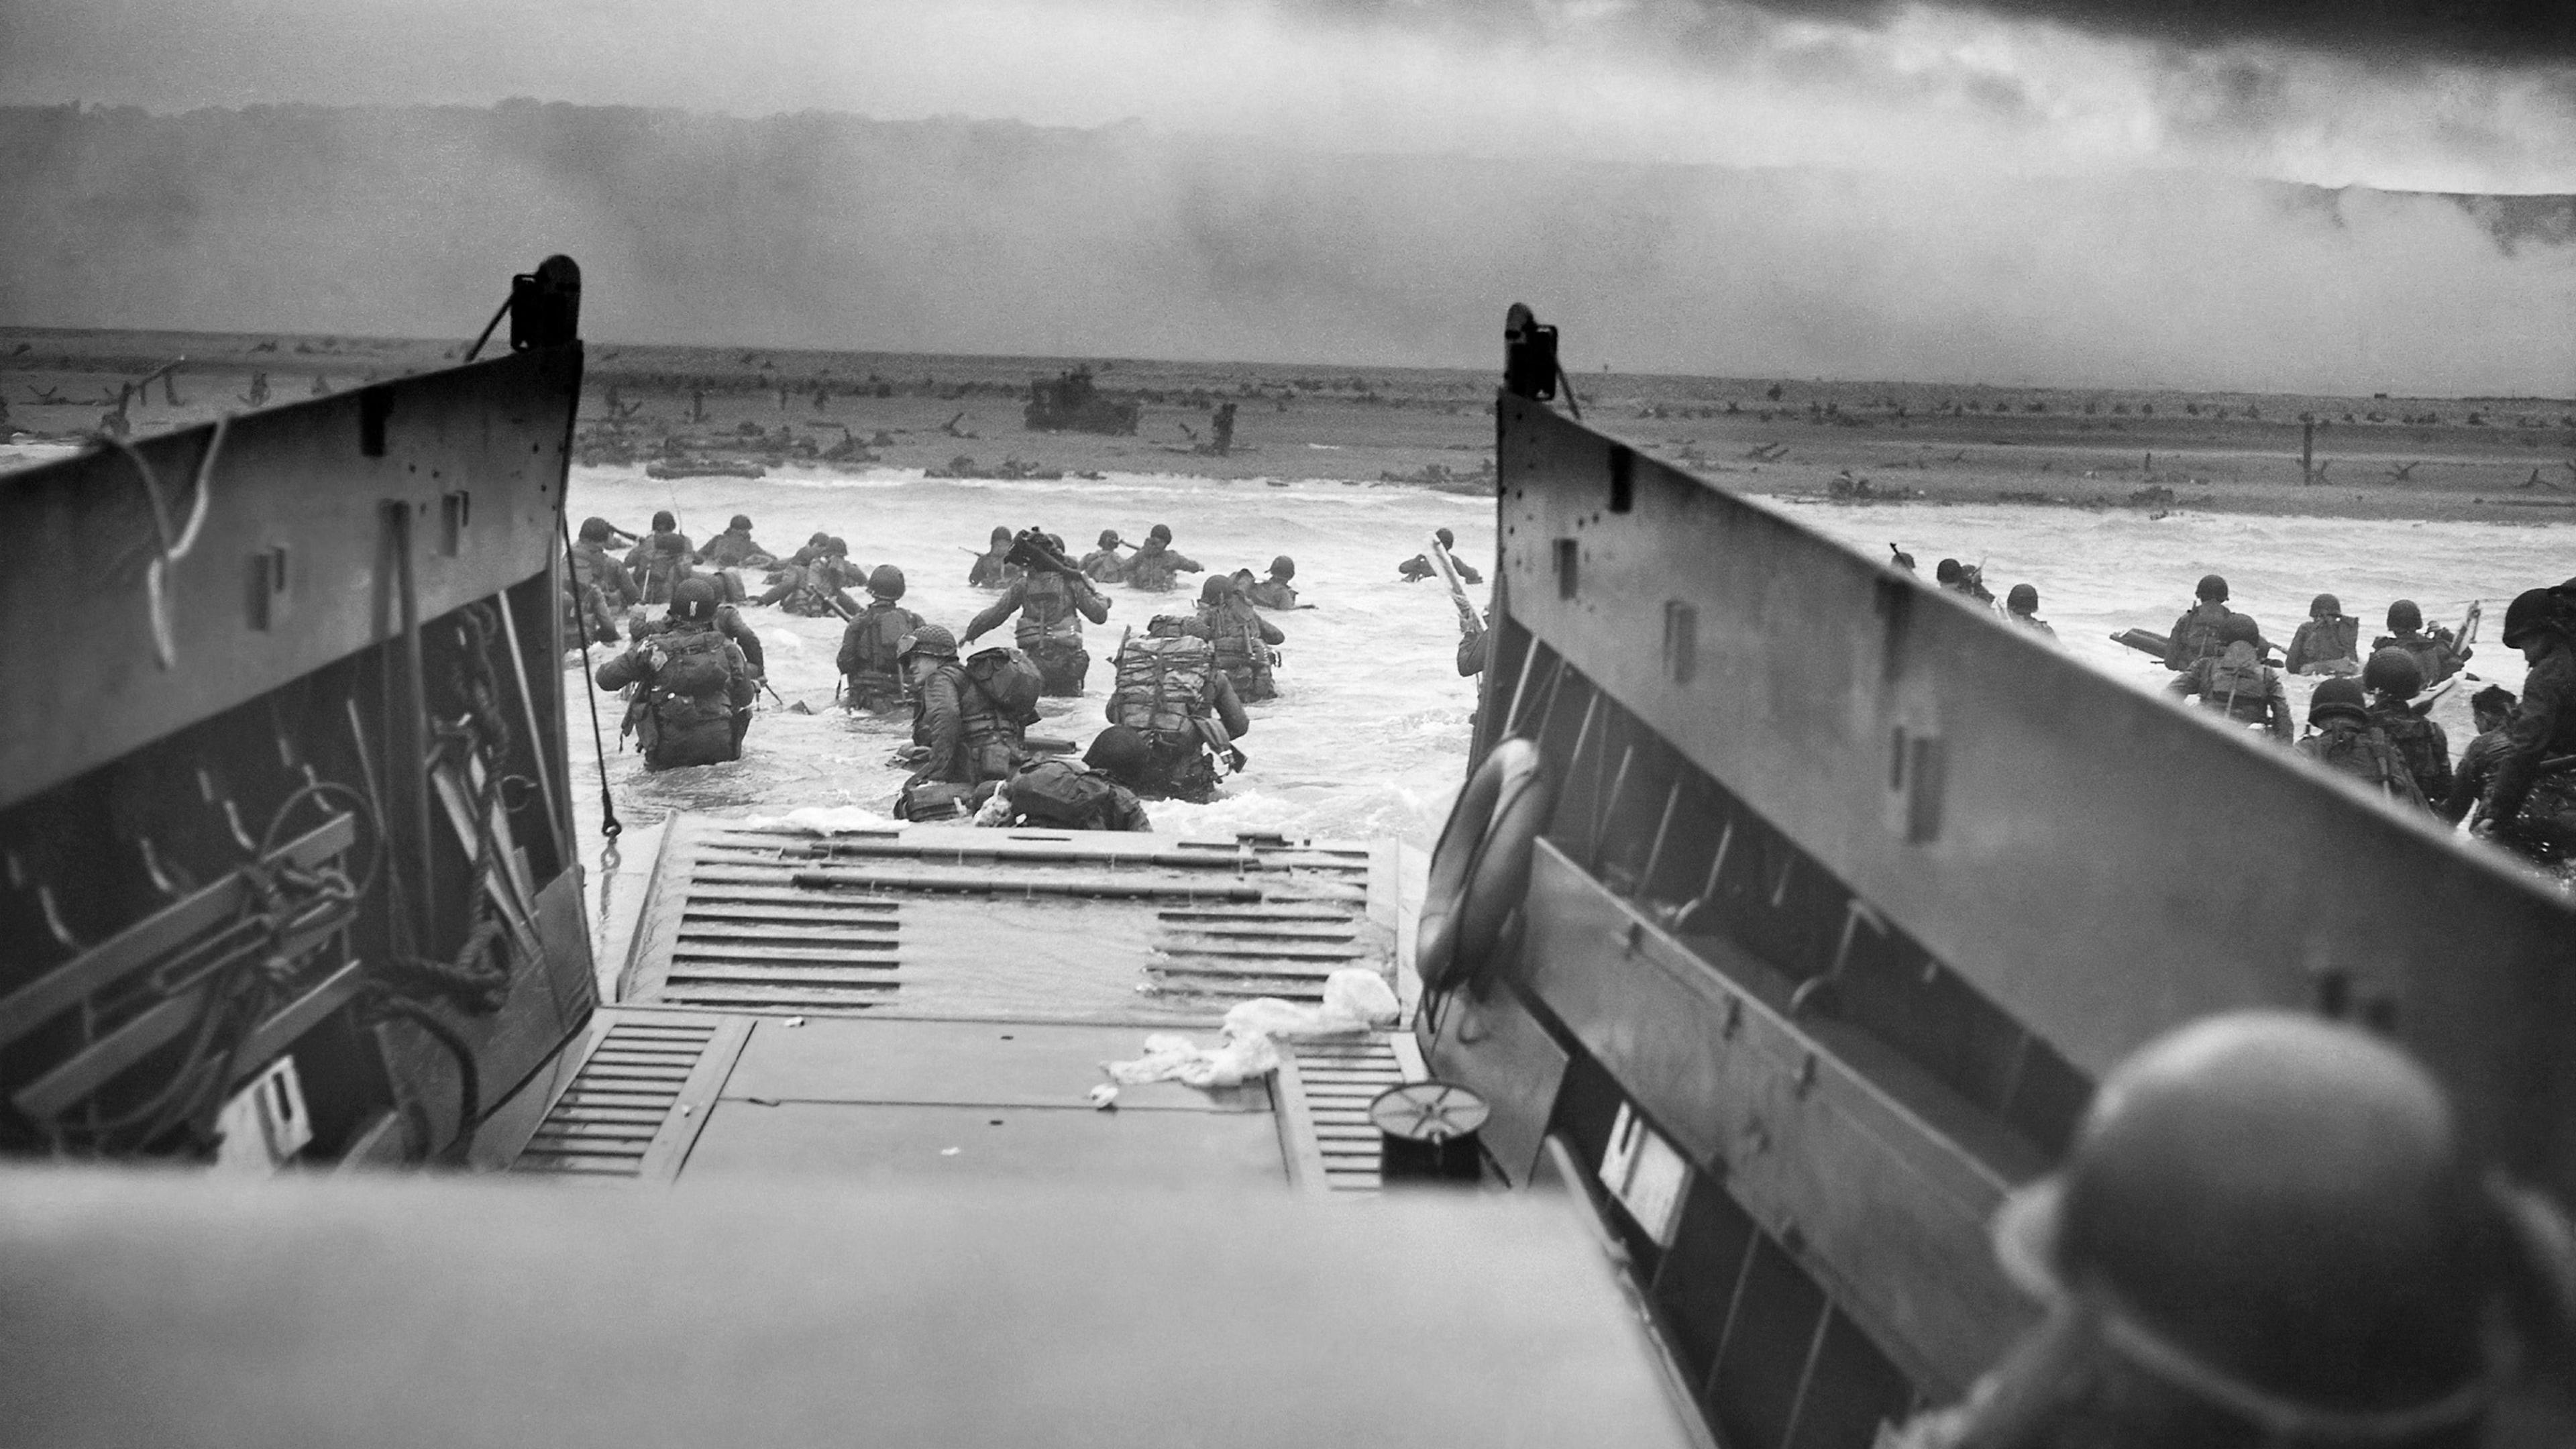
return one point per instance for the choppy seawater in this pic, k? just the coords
(1369, 735)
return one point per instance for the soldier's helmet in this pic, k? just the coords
(1160, 533)
(2404, 617)
(1001, 534)
(886, 582)
(2023, 599)
(1946, 571)
(2394, 671)
(930, 639)
(596, 530)
(2531, 612)
(741, 523)
(1283, 568)
(837, 547)
(2212, 588)
(694, 600)
(2275, 1215)
(2325, 606)
(1120, 751)
(1217, 588)
(1109, 538)
(665, 520)
(2338, 697)
(2239, 628)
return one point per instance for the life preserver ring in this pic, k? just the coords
(1480, 868)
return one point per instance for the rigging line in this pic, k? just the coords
(608, 825)
(172, 549)
(476, 350)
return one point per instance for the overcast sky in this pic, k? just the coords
(1844, 83)
(1924, 261)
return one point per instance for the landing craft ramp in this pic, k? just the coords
(938, 1001)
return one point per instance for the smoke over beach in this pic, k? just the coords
(2094, 197)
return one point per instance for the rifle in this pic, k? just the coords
(1470, 622)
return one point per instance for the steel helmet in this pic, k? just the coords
(2531, 611)
(929, 639)
(2275, 1215)
(2212, 588)
(2325, 606)
(1160, 533)
(2022, 600)
(596, 530)
(668, 542)
(694, 600)
(1946, 571)
(741, 523)
(2395, 671)
(1119, 750)
(665, 520)
(886, 582)
(1109, 538)
(837, 547)
(1217, 587)
(1283, 567)
(2338, 696)
(818, 540)
(1001, 533)
(2404, 617)
(2240, 628)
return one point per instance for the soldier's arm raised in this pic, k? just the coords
(992, 618)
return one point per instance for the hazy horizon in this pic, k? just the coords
(2050, 192)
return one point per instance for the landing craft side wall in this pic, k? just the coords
(250, 816)
(2097, 863)
(288, 569)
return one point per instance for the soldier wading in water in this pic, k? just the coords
(694, 690)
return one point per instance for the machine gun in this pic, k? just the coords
(1031, 551)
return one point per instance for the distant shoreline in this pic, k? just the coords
(2505, 461)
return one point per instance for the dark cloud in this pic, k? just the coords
(2501, 30)
(833, 231)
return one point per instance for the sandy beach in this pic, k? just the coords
(2486, 459)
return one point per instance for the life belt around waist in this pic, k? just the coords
(1480, 868)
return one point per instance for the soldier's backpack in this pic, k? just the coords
(2239, 689)
(2418, 742)
(1059, 793)
(2360, 751)
(938, 800)
(1010, 679)
(695, 663)
(1162, 684)
(2198, 636)
(881, 632)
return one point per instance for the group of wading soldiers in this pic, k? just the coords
(2517, 778)
(1175, 710)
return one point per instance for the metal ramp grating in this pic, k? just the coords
(1326, 1086)
(751, 917)
(749, 938)
(636, 1104)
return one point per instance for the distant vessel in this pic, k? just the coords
(1788, 916)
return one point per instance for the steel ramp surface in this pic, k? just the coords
(953, 921)
(662, 1092)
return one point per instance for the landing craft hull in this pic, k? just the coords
(282, 781)
(1851, 893)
